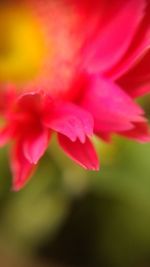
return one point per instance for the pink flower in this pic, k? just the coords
(71, 68)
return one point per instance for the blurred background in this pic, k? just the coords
(69, 217)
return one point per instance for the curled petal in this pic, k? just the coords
(71, 121)
(83, 154)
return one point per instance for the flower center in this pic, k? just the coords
(22, 46)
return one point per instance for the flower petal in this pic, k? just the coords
(111, 108)
(140, 132)
(137, 81)
(7, 98)
(5, 135)
(105, 136)
(83, 154)
(139, 91)
(21, 167)
(35, 145)
(71, 121)
(113, 40)
(30, 101)
(137, 50)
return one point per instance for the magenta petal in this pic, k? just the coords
(21, 167)
(111, 108)
(105, 136)
(71, 121)
(83, 154)
(5, 136)
(30, 101)
(113, 40)
(140, 73)
(7, 97)
(137, 50)
(137, 81)
(139, 91)
(35, 145)
(140, 132)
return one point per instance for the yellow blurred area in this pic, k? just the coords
(22, 46)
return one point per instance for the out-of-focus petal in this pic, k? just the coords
(136, 82)
(71, 121)
(30, 101)
(35, 145)
(140, 132)
(111, 107)
(83, 154)
(137, 50)
(105, 136)
(139, 91)
(7, 98)
(116, 34)
(21, 167)
(5, 135)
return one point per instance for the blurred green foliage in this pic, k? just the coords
(74, 217)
